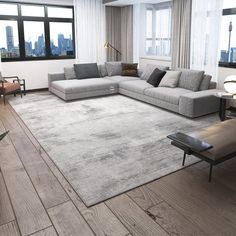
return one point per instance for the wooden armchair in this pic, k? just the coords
(7, 87)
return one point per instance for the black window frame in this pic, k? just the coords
(225, 12)
(20, 23)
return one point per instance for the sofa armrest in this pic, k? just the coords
(54, 77)
(199, 103)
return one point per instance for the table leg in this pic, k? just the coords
(222, 109)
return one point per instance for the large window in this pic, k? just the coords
(36, 32)
(158, 29)
(228, 35)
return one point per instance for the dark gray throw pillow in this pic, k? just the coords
(86, 71)
(155, 77)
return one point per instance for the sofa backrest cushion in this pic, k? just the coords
(190, 79)
(156, 77)
(86, 71)
(170, 79)
(113, 68)
(149, 69)
(102, 70)
(130, 69)
(69, 73)
(205, 84)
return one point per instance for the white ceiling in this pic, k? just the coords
(131, 2)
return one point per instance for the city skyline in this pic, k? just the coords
(36, 48)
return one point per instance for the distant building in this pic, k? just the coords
(223, 56)
(233, 55)
(9, 37)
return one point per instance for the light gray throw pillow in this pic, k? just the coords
(113, 68)
(102, 70)
(190, 79)
(205, 84)
(149, 69)
(69, 73)
(170, 79)
(86, 71)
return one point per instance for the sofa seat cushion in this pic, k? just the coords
(86, 85)
(119, 79)
(137, 86)
(166, 94)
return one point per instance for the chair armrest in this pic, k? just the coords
(12, 77)
(199, 103)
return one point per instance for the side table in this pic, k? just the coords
(223, 110)
(22, 84)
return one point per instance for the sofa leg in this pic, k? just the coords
(184, 159)
(210, 174)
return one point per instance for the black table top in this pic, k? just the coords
(190, 142)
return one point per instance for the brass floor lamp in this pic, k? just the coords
(108, 45)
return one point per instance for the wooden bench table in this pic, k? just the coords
(214, 144)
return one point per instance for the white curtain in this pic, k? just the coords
(205, 35)
(139, 31)
(0, 63)
(90, 31)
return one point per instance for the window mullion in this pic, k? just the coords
(21, 33)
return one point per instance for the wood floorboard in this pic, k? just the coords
(6, 212)
(68, 221)
(9, 229)
(144, 197)
(30, 213)
(173, 222)
(46, 232)
(46, 184)
(190, 199)
(133, 217)
(100, 215)
(182, 203)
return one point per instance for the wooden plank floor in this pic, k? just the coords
(36, 199)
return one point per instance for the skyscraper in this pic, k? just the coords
(10, 39)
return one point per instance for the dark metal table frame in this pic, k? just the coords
(212, 163)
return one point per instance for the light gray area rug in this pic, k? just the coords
(108, 145)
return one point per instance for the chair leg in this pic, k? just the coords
(184, 159)
(20, 93)
(4, 98)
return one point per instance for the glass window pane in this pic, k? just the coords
(229, 4)
(61, 39)
(149, 49)
(29, 10)
(8, 9)
(60, 12)
(149, 24)
(9, 41)
(34, 39)
(225, 36)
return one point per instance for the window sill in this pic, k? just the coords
(227, 65)
(156, 58)
(37, 59)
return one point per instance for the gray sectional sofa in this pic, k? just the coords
(181, 100)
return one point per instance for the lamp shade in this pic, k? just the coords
(230, 84)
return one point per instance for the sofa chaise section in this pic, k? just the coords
(76, 89)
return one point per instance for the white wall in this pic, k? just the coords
(35, 72)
